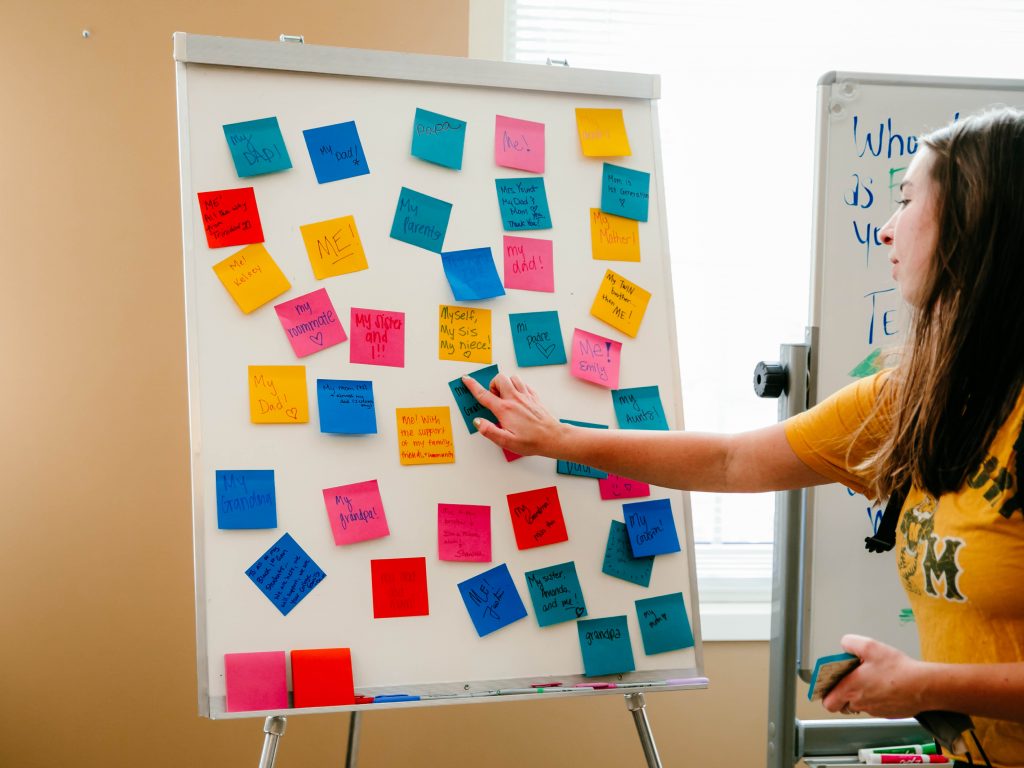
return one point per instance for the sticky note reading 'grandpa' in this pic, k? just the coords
(285, 574)
(421, 220)
(602, 132)
(613, 238)
(537, 518)
(334, 247)
(625, 192)
(346, 407)
(336, 152)
(571, 467)
(438, 138)
(277, 394)
(605, 646)
(519, 144)
(595, 359)
(257, 147)
(492, 600)
(652, 528)
(523, 203)
(639, 408)
(252, 277)
(471, 274)
(468, 405)
(378, 337)
(425, 435)
(230, 217)
(529, 264)
(399, 587)
(664, 625)
(619, 560)
(464, 333)
(464, 533)
(356, 512)
(246, 499)
(620, 303)
(537, 338)
(556, 594)
(310, 322)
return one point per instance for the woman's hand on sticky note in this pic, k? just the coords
(886, 683)
(526, 427)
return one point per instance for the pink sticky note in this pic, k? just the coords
(519, 144)
(618, 487)
(356, 512)
(596, 359)
(464, 532)
(255, 681)
(529, 264)
(310, 322)
(378, 337)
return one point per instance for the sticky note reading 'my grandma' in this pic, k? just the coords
(523, 203)
(621, 303)
(425, 435)
(595, 359)
(252, 277)
(602, 132)
(277, 394)
(421, 220)
(246, 499)
(257, 147)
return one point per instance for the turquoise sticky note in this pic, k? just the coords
(625, 192)
(580, 470)
(537, 338)
(664, 625)
(651, 527)
(468, 405)
(556, 594)
(619, 560)
(335, 152)
(421, 220)
(492, 600)
(257, 147)
(605, 645)
(346, 407)
(639, 408)
(523, 203)
(438, 138)
(246, 499)
(471, 274)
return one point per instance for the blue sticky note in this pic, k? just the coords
(471, 274)
(285, 574)
(257, 147)
(605, 645)
(346, 407)
(468, 405)
(556, 594)
(492, 600)
(580, 470)
(523, 203)
(246, 499)
(421, 220)
(639, 408)
(619, 560)
(651, 526)
(537, 338)
(336, 152)
(664, 625)
(625, 192)
(438, 138)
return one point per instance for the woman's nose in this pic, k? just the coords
(885, 233)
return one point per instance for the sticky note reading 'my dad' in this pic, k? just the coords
(537, 338)
(252, 277)
(529, 264)
(464, 334)
(605, 646)
(619, 560)
(625, 192)
(246, 499)
(613, 238)
(378, 337)
(471, 274)
(651, 527)
(492, 600)
(556, 594)
(639, 408)
(595, 359)
(438, 138)
(336, 152)
(464, 533)
(425, 435)
(537, 518)
(257, 147)
(519, 144)
(571, 467)
(620, 303)
(285, 574)
(277, 394)
(399, 587)
(469, 406)
(602, 133)
(664, 624)
(230, 217)
(334, 247)
(310, 322)
(346, 407)
(523, 203)
(421, 220)
(356, 512)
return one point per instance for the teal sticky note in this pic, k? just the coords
(580, 470)
(469, 407)
(537, 338)
(257, 147)
(625, 192)
(471, 274)
(523, 203)
(556, 594)
(639, 408)
(438, 138)
(421, 220)
(605, 646)
(664, 625)
(619, 560)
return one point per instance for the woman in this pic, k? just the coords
(942, 427)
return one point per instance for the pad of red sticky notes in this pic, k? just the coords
(537, 518)
(255, 681)
(230, 217)
(322, 677)
(399, 587)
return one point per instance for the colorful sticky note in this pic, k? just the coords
(639, 408)
(378, 337)
(625, 192)
(620, 303)
(571, 467)
(277, 394)
(310, 322)
(438, 138)
(322, 677)
(399, 587)
(556, 594)
(356, 512)
(492, 600)
(651, 526)
(605, 646)
(257, 147)
(336, 152)
(252, 277)
(537, 338)
(464, 334)
(595, 359)
(346, 407)
(664, 625)
(619, 560)
(285, 574)
(464, 532)
(230, 217)
(471, 274)
(468, 405)
(602, 133)
(255, 681)
(519, 144)
(613, 238)
(529, 264)
(246, 499)
(523, 203)
(334, 247)
(421, 220)
(618, 487)
(425, 435)
(537, 518)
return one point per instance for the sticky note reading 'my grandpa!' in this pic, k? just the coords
(252, 277)
(425, 435)
(356, 512)
(464, 334)
(421, 220)
(602, 132)
(277, 394)
(621, 303)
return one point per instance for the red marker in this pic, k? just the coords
(596, 686)
(900, 759)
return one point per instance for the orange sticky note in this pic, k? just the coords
(620, 303)
(322, 677)
(425, 435)
(614, 238)
(252, 277)
(334, 247)
(464, 334)
(277, 394)
(602, 133)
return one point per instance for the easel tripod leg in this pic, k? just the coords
(273, 730)
(636, 704)
(352, 753)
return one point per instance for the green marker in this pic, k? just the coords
(906, 749)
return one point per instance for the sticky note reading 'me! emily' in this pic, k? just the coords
(664, 624)
(464, 533)
(492, 600)
(619, 560)
(336, 152)
(471, 274)
(625, 192)
(438, 138)
(639, 408)
(620, 303)
(252, 277)
(595, 359)
(378, 337)
(255, 681)
(277, 394)
(285, 574)
(523, 203)
(537, 338)
(230, 217)
(613, 238)
(464, 334)
(425, 435)
(605, 646)
(333, 247)
(356, 512)
(618, 487)
(310, 322)
(529, 264)
(257, 147)
(246, 498)
(346, 407)
(651, 527)
(537, 518)
(469, 406)
(421, 220)
(399, 587)
(519, 144)
(602, 133)
(571, 467)
(556, 594)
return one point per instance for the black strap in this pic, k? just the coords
(885, 537)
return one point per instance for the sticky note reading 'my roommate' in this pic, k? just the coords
(399, 587)
(571, 467)
(471, 274)
(464, 533)
(334, 247)
(625, 192)
(246, 498)
(595, 359)
(537, 338)
(346, 407)
(605, 646)
(619, 560)
(257, 147)
(492, 600)
(335, 152)
(356, 512)
(252, 277)
(519, 144)
(230, 217)
(285, 574)
(651, 526)
(469, 406)
(425, 435)
(310, 323)
(664, 625)
(537, 518)
(602, 133)
(620, 303)
(556, 594)
(529, 264)
(464, 334)
(613, 238)
(277, 394)
(378, 337)
(523, 203)
(639, 408)
(421, 220)
(438, 138)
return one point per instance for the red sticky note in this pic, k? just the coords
(310, 322)
(322, 677)
(595, 359)
(464, 532)
(356, 512)
(537, 518)
(529, 263)
(378, 337)
(618, 487)
(399, 587)
(519, 144)
(510, 456)
(255, 681)
(230, 217)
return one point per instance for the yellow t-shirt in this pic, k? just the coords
(960, 558)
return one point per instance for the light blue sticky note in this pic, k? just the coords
(625, 192)
(580, 470)
(619, 560)
(523, 203)
(605, 645)
(639, 408)
(468, 405)
(537, 338)
(421, 220)
(471, 274)
(285, 574)
(438, 138)
(336, 152)
(651, 526)
(664, 625)
(246, 499)
(346, 406)
(257, 147)
(492, 600)
(556, 594)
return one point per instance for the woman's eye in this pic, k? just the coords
(902, 201)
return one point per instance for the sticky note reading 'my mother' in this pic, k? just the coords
(464, 334)
(425, 435)
(595, 359)
(421, 220)
(523, 203)
(613, 238)
(620, 303)
(277, 394)
(230, 217)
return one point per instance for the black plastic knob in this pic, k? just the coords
(769, 379)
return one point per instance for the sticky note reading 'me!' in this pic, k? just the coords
(464, 533)
(464, 334)
(252, 277)
(336, 152)
(421, 220)
(378, 337)
(356, 512)
(595, 359)
(438, 138)
(605, 646)
(613, 238)
(257, 147)
(285, 574)
(529, 264)
(523, 203)
(537, 518)
(664, 625)
(399, 587)
(310, 322)
(519, 144)
(651, 526)
(639, 408)
(492, 600)
(625, 192)
(620, 303)
(425, 435)
(602, 133)
(277, 394)
(556, 594)
(334, 247)
(230, 217)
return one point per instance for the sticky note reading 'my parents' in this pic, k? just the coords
(602, 132)
(356, 512)
(310, 322)
(469, 406)
(425, 435)
(639, 408)
(399, 587)
(378, 337)
(464, 334)
(230, 217)
(334, 247)
(613, 238)
(664, 625)
(523, 203)
(619, 560)
(492, 600)
(421, 220)
(285, 574)
(620, 303)
(277, 394)
(336, 152)
(651, 526)
(519, 144)
(537, 338)
(605, 646)
(537, 518)
(556, 594)
(346, 407)
(252, 277)
(595, 359)
(471, 274)
(464, 533)
(625, 192)
(257, 147)
(529, 264)
(438, 138)
(246, 498)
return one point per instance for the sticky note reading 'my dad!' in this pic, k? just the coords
(285, 574)
(639, 408)
(246, 498)
(310, 322)
(620, 303)
(277, 394)
(421, 220)
(252, 277)
(523, 203)
(537, 518)
(230, 217)
(664, 624)
(602, 133)
(613, 238)
(438, 138)
(605, 646)
(537, 338)
(257, 147)
(625, 192)
(399, 587)
(529, 264)
(425, 435)
(378, 337)
(492, 600)
(519, 144)
(464, 533)
(595, 359)
(336, 152)
(333, 247)
(356, 512)
(464, 334)
(651, 527)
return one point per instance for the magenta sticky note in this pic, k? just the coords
(529, 264)
(356, 512)
(464, 532)
(519, 143)
(618, 487)
(255, 681)
(595, 359)
(378, 337)
(310, 322)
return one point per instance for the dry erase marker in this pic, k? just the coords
(905, 749)
(903, 759)
(394, 697)
(596, 686)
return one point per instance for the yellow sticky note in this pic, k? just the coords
(464, 334)
(277, 394)
(252, 277)
(425, 435)
(602, 133)
(614, 238)
(620, 303)
(334, 247)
